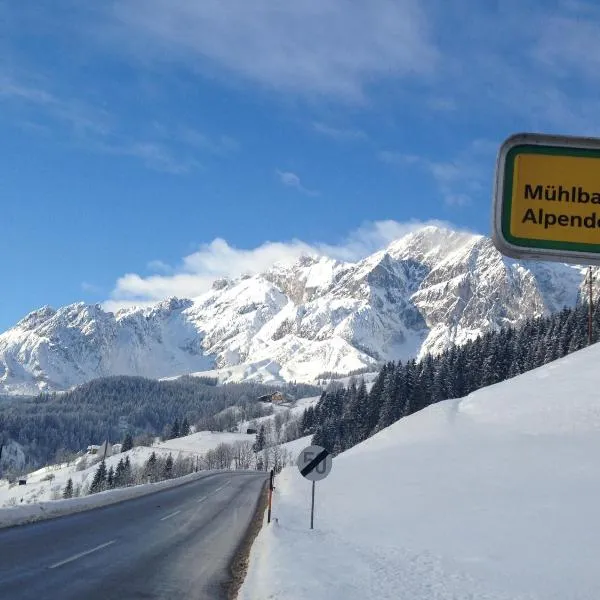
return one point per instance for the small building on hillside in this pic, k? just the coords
(93, 449)
(274, 398)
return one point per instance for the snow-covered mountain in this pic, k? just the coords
(431, 289)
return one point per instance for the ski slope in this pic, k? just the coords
(494, 497)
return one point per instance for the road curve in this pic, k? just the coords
(175, 544)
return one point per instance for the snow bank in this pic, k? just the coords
(18, 515)
(490, 497)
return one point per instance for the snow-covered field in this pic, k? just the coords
(47, 483)
(202, 442)
(494, 496)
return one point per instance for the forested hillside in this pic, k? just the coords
(52, 423)
(346, 416)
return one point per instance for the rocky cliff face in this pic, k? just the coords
(429, 290)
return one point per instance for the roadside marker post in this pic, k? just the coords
(270, 495)
(314, 464)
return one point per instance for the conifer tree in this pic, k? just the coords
(168, 471)
(119, 480)
(127, 443)
(185, 428)
(150, 468)
(260, 442)
(99, 481)
(110, 478)
(68, 491)
(127, 473)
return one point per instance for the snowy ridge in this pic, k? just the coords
(431, 289)
(490, 496)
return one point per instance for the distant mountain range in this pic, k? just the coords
(426, 291)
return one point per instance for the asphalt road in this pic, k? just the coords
(173, 544)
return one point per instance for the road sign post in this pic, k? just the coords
(314, 463)
(312, 507)
(270, 495)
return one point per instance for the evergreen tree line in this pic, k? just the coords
(346, 416)
(237, 456)
(65, 423)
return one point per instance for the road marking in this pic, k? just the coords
(81, 555)
(202, 499)
(224, 485)
(171, 515)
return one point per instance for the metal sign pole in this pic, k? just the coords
(312, 508)
(314, 463)
(270, 496)
(590, 307)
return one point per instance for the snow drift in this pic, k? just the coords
(493, 496)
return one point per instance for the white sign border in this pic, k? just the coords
(520, 252)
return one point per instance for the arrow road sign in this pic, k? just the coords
(314, 463)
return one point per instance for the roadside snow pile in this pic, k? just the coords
(493, 497)
(27, 513)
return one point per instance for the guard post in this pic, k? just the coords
(270, 495)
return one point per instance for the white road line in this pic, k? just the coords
(81, 555)
(202, 499)
(171, 515)
(224, 485)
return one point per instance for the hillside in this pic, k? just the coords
(424, 293)
(489, 496)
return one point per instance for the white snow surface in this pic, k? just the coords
(296, 446)
(202, 442)
(427, 291)
(493, 497)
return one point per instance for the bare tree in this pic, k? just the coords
(243, 455)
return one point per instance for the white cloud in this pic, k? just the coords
(154, 155)
(80, 117)
(197, 272)
(90, 288)
(323, 47)
(292, 180)
(159, 266)
(168, 150)
(456, 178)
(340, 134)
(220, 146)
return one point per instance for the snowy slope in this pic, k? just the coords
(493, 497)
(202, 442)
(429, 290)
(46, 483)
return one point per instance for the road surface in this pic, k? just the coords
(174, 544)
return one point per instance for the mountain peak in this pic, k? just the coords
(433, 288)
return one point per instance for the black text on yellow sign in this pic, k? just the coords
(547, 198)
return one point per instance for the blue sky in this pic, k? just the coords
(150, 146)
